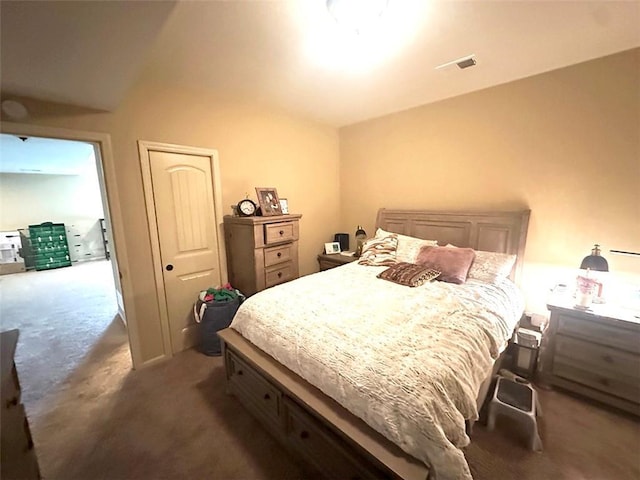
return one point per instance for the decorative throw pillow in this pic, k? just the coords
(491, 267)
(454, 263)
(408, 247)
(409, 274)
(379, 251)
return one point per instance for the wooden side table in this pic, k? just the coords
(334, 260)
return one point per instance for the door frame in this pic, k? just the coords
(113, 213)
(144, 149)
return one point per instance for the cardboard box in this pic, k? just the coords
(14, 267)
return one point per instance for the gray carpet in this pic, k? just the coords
(61, 314)
(174, 420)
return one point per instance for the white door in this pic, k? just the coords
(187, 234)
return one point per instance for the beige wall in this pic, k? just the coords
(256, 146)
(27, 199)
(565, 144)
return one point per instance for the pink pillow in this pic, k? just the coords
(454, 263)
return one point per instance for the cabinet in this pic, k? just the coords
(49, 246)
(261, 251)
(18, 458)
(595, 353)
(325, 262)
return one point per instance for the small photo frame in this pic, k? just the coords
(332, 247)
(269, 202)
(284, 206)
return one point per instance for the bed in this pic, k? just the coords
(368, 379)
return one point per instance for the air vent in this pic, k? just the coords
(469, 62)
(461, 63)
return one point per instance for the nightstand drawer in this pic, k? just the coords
(279, 274)
(600, 333)
(279, 232)
(604, 360)
(618, 385)
(275, 255)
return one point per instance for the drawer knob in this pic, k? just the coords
(304, 434)
(279, 254)
(267, 396)
(239, 372)
(279, 274)
(281, 232)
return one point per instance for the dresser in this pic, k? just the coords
(595, 353)
(17, 456)
(261, 251)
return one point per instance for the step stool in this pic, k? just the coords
(517, 399)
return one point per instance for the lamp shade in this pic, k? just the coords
(595, 261)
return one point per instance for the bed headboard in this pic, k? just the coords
(504, 232)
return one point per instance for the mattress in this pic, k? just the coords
(408, 361)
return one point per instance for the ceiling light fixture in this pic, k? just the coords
(14, 110)
(357, 15)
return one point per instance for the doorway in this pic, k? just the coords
(58, 286)
(113, 223)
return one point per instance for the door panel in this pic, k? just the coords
(187, 233)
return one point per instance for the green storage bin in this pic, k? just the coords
(49, 245)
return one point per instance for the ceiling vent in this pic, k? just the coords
(469, 62)
(461, 63)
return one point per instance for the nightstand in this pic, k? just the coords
(334, 260)
(594, 352)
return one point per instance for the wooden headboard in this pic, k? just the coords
(504, 232)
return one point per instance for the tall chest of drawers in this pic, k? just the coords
(17, 456)
(261, 251)
(595, 353)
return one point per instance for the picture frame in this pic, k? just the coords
(331, 248)
(269, 201)
(284, 206)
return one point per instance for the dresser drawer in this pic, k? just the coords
(279, 232)
(275, 255)
(322, 448)
(600, 359)
(618, 385)
(599, 332)
(279, 274)
(257, 394)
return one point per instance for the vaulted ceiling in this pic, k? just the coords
(292, 54)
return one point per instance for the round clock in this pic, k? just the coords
(246, 208)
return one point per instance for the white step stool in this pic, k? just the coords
(517, 399)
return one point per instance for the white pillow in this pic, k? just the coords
(408, 247)
(490, 267)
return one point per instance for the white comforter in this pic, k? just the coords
(408, 361)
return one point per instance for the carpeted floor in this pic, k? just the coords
(174, 420)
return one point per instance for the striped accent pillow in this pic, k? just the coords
(409, 274)
(379, 251)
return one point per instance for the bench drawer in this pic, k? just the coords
(257, 394)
